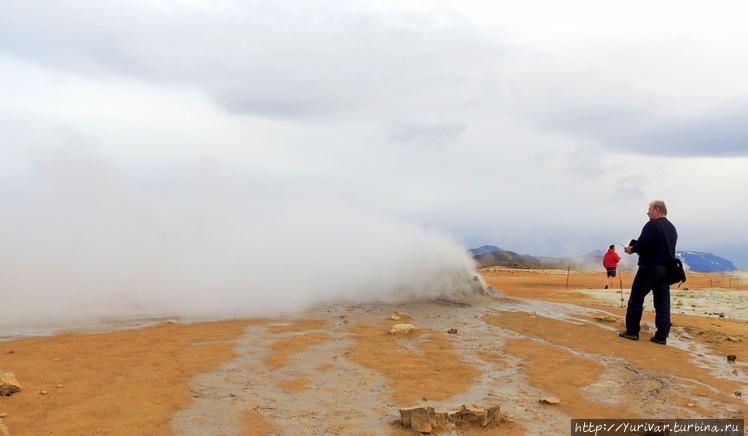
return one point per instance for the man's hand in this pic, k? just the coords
(627, 249)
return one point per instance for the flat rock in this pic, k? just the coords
(605, 318)
(401, 328)
(420, 419)
(550, 400)
(8, 384)
(397, 316)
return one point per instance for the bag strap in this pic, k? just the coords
(670, 250)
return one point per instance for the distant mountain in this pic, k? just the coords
(705, 262)
(499, 257)
(484, 249)
(489, 255)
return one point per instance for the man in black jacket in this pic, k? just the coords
(654, 255)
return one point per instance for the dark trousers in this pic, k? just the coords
(649, 278)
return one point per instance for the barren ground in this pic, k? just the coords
(334, 369)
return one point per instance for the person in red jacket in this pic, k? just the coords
(610, 262)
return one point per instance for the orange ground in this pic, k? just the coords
(133, 382)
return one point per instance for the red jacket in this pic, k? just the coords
(611, 259)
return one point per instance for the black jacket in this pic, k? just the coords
(651, 245)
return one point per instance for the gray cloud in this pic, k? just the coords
(417, 114)
(723, 134)
(286, 60)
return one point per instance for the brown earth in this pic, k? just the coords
(335, 370)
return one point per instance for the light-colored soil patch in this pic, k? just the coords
(589, 338)
(299, 326)
(292, 345)
(564, 375)
(121, 383)
(427, 367)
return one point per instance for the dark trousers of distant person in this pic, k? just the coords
(649, 278)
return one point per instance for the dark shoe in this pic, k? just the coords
(606, 286)
(656, 340)
(628, 336)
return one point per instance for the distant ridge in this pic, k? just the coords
(490, 255)
(705, 262)
(484, 249)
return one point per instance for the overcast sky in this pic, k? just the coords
(539, 126)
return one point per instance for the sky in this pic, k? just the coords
(541, 127)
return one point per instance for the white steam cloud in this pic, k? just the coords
(85, 240)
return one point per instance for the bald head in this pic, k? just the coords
(657, 209)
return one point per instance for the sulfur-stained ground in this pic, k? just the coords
(334, 369)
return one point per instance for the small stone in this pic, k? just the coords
(734, 372)
(43, 392)
(452, 331)
(401, 328)
(738, 394)
(550, 400)
(58, 386)
(721, 315)
(8, 384)
(690, 404)
(3, 415)
(605, 318)
(731, 357)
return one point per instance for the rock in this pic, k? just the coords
(470, 414)
(690, 404)
(43, 392)
(418, 419)
(425, 420)
(59, 386)
(731, 357)
(605, 318)
(8, 384)
(3, 415)
(550, 400)
(494, 415)
(401, 328)
(3, 429)
(452, 331)
(738, 394)
(397, 316)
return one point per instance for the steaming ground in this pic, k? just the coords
(334, 369)
(86, 241)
